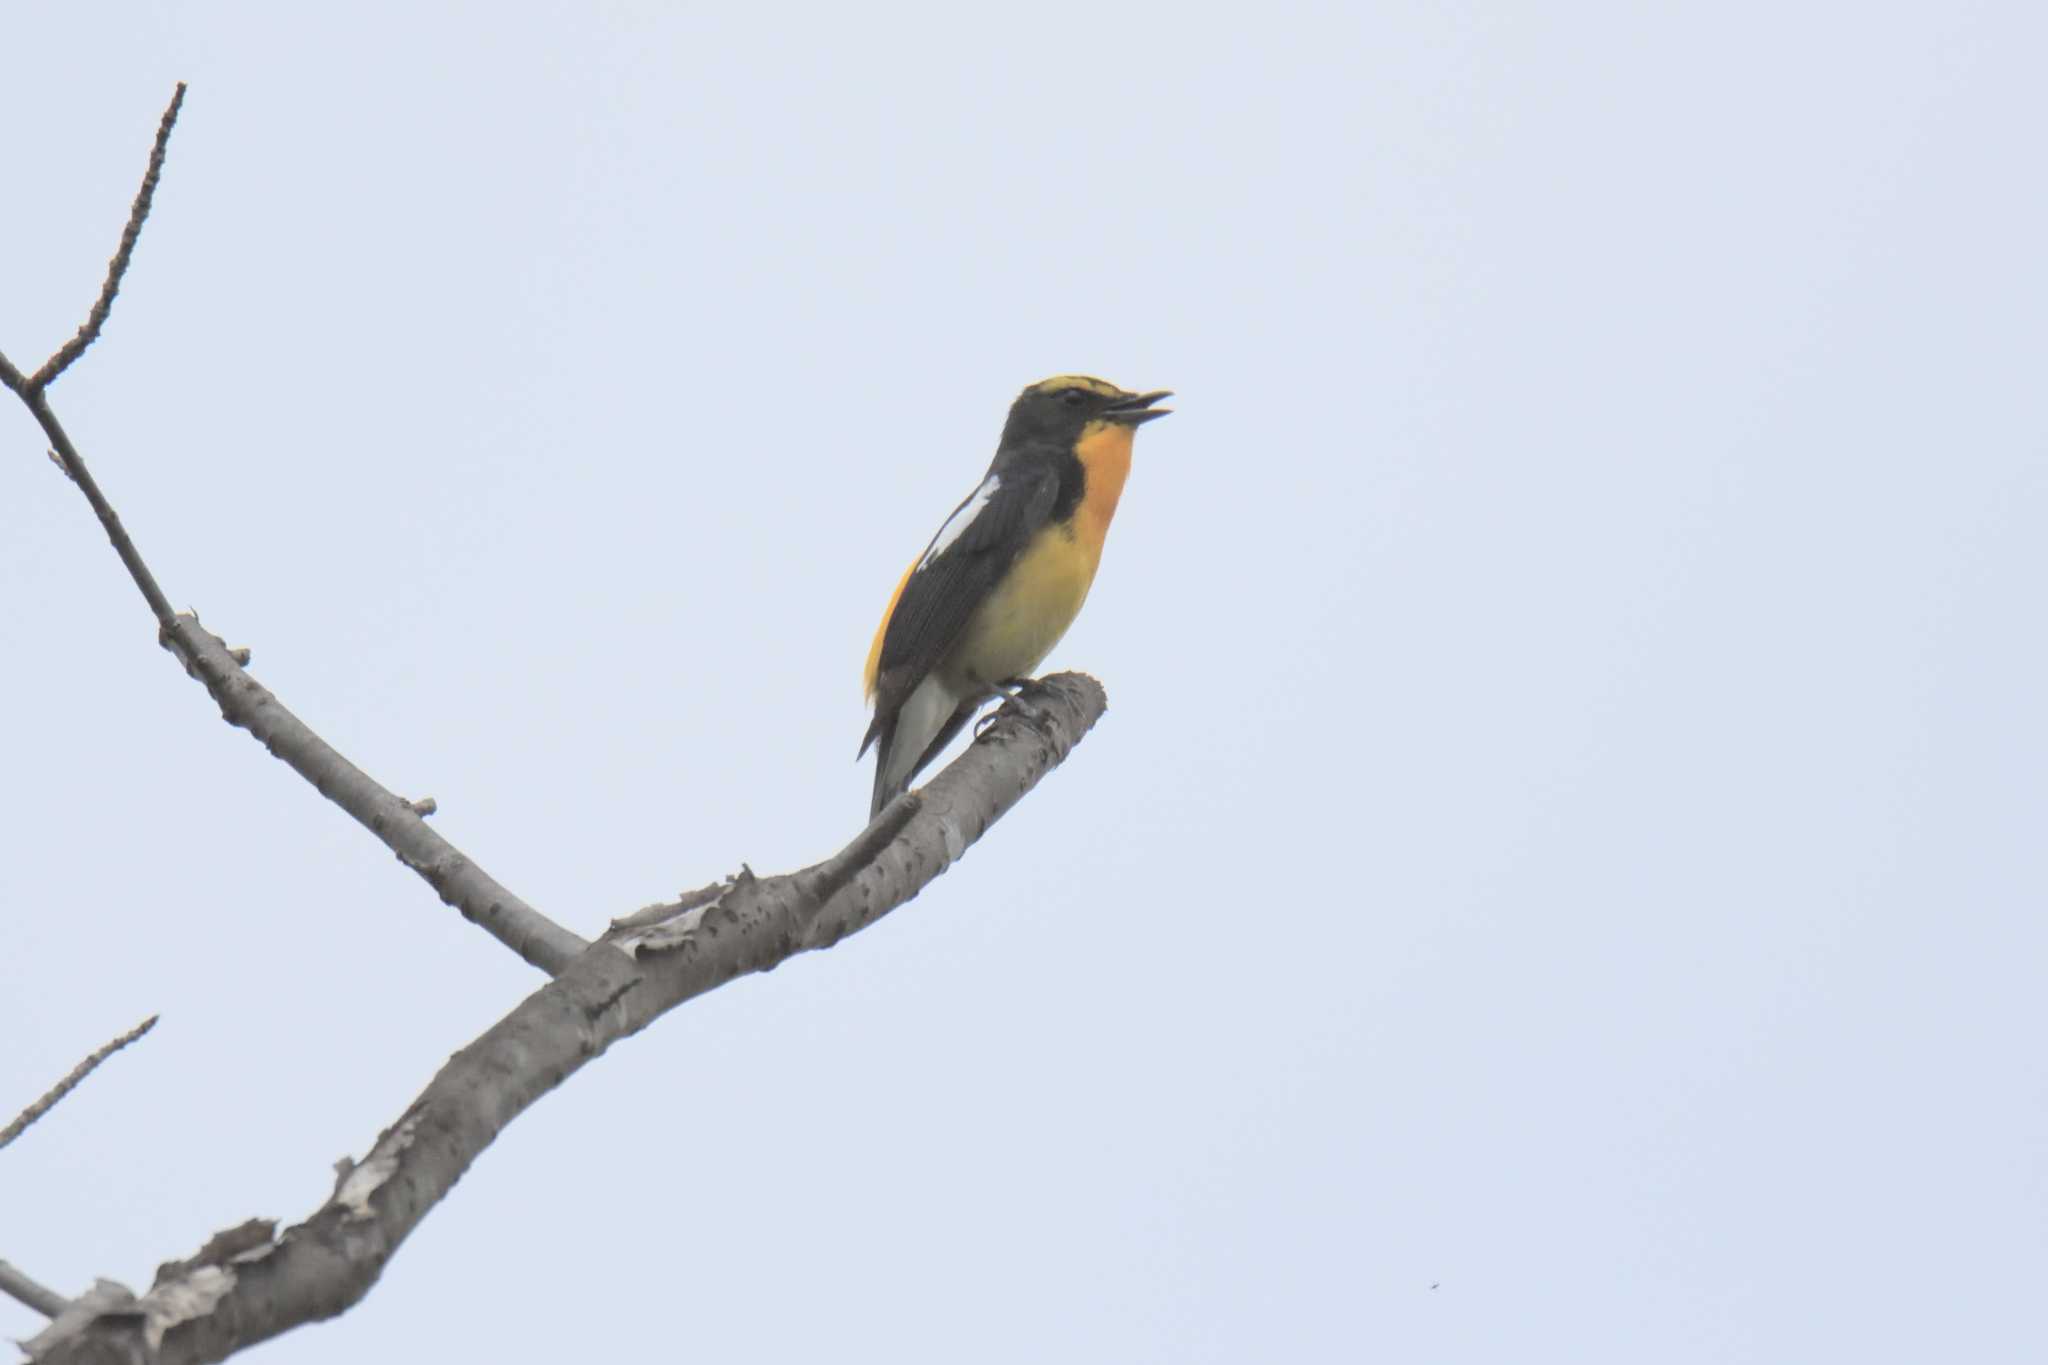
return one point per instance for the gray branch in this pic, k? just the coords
(138, 212)
(31, 386)
(247, 1286)
(480, 897)
(64, 1087)
(247, 703)
(20, 1287)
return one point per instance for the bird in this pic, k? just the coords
(1005, 575)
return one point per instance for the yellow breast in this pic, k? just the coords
(1033, 606)
(1028, 612)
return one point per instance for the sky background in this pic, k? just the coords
(1562, 874)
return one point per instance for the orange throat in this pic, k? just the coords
(1105, 453)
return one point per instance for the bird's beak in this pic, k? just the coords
(1133, 408)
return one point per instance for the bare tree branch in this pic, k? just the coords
(73, 464)
(482, 899)
(64, 1087)
(213, 1305)
(21, 1288)
(243, 701)
(13, 1282)
(118, 266)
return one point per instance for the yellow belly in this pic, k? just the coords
(1020, 623)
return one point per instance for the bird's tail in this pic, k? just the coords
(889, 783)
(913, 736)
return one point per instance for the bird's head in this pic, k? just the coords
(1063, 407)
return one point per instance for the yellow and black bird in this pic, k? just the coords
(1005, 576)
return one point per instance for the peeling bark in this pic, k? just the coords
(235, 1293)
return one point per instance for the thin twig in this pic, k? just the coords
(118, 266)
(74, 465)
(70, 1083)
(18, 1286)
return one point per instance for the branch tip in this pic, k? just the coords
(57, 1092)
(138, 212)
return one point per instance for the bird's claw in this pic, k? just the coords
(1014, 694)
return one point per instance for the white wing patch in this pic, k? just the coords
(957, 524)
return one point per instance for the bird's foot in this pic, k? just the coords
(1014, 694)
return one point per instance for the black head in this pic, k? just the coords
(1061, 408)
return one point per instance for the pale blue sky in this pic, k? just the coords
(1568, 825)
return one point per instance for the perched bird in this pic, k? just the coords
(1005, 576)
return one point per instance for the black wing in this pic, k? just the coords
(957, 572)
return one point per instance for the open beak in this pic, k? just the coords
(1133, 408)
